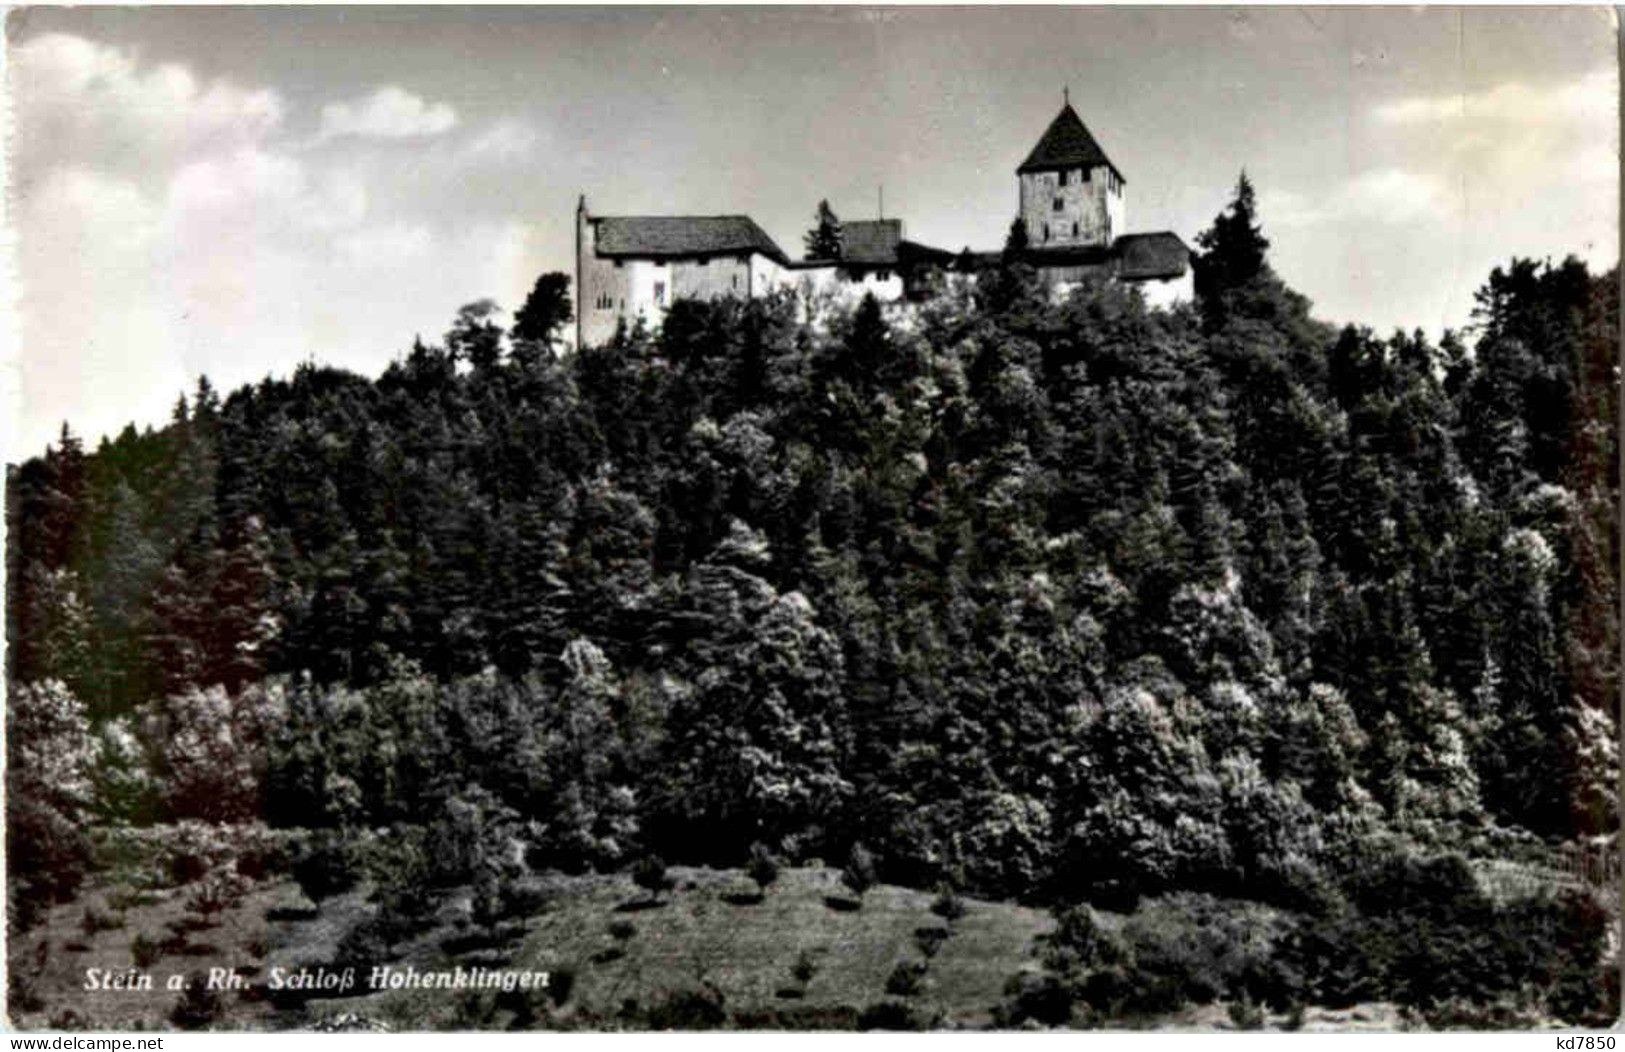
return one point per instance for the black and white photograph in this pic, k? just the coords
(647, 519)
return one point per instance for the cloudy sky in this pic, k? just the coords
(232, 192)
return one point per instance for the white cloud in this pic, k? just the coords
(503, 140)
(80, 102)
(1586, 100)
(1445, 159)
(1439, 189)
(1514, 142)
(1379, 197)
(394, 242)
(170, 227)
(388, 113)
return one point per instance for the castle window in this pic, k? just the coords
(660, 293)
(1074, 230)
(1046, 233)
(1059, 204)
(1063, 178)
(736, 281)
(617, 264)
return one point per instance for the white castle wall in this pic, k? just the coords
(1092, 210)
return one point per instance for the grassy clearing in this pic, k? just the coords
(51, 961)
(623, 951)
(703, 933)
(786, 958)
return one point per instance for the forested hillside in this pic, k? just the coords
(1049, 601)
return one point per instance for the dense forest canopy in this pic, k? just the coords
(1046, 598)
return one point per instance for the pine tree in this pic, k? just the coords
(1015, 242)
(546, 310)
(825, 241)
(1231, 256)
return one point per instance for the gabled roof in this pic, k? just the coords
(668, 237)
(914, 252)
(870, 240)
(876, 244)
(1143, 257)
(1160, 256)
(1066, 144)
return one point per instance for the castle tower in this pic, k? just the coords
(1071, 193)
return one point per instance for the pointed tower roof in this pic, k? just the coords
(1066, 144)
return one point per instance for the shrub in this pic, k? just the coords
(524, 897)
(859, 873)
(50, 759)
(799, 1017)
(214, 750)
(221, 889)
(907, 979)
(1199, 949)
(470, 838)
(930, 939)
(402, 875)
(1245, 1015)
(47, 857)
(485, 904)
(472, 1011)
(143, 950)
(1080, 943)
(893, 1015)
(365, 944)
(329, 866)
(692, 1009)
(763, 867)
(95, 919)
(126, 788)
(1586, 997)
(1423, 934)
(561, 981)
(188, 850)
(21, 995)
(948, 905)
(198, 1007)
(68, 1019)
(650, 875)
(121, 899)
(1045, 999)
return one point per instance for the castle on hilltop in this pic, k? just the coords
(1072, 211)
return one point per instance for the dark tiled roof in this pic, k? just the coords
(1066, 144)
(872, 241)
(1137, 257)
(914, 252)
(868, 244)
(1067, 256)
(665, 237)
(973, 261)
(1143, 257)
